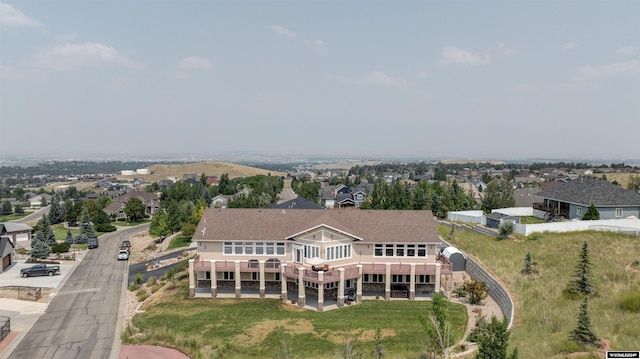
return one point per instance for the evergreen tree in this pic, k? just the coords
(39, 249)
(582, 282)
(583, 333)
(81, 238)
(56, 212)
(69, 237)
(86, 227)
(529, 265)
(592, 214)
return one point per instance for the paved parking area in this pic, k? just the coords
(11, 276)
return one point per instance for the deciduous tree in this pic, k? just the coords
(134, 209)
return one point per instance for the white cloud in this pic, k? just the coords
(505, 50)
(454, 55)
(320, 46)
(570, 46)
(181, 76)
(628, 68)
(89, 54)
(10, 16)
(627, 51)
(281, 30)
(375, 78)
(195, 63)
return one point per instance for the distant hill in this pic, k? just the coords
(208, 168)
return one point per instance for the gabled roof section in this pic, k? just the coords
(10, 227)
(297, 203)
(375, 226)
(587, 190)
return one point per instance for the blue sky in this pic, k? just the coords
(433, 79)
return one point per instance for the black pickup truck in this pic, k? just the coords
(39, 269)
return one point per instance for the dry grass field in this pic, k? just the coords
(162, 171)
(622, 178)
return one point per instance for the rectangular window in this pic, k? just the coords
(399, 250)
(255, 275)
(270, 248)
(259, 248)
(389, 250)
(378, 250)
(238, 248)
(618, 212)
(248, 248)
(277, 276)
(411, 250)
(228, 248)
(365, 278)
(280, 249)
(579, 211)
(422, 250)
(227, 275)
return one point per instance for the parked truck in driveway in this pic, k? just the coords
(39, 270)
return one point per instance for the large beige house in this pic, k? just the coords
(317, 257)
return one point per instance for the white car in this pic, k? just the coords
(123, 254)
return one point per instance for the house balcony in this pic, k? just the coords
(554, 211)
(330, 273)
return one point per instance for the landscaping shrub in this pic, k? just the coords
(60, 247)
(133, 286)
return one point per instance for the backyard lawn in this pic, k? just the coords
(544, 317)
(255, 328)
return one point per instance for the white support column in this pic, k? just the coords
(283, 283)
(341, 288)
(301, 295)
(359, 284)
(412, 282)
(387, 282)
(320, 291)
(262, 286)
(238, 280)
(214, 280)
(437, 286)
(192, 278)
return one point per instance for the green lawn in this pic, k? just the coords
(544, 317)
(255, 328)
(179, 242)
(13, 217)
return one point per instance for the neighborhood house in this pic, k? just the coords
(317, 258)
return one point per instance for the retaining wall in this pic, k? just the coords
(497, 292)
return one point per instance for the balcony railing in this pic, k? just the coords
(553, 210)
(332, 274)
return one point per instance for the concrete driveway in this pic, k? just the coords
(11, 276)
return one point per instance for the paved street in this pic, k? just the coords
(83, 318)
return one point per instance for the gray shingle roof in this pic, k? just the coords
(587, 190)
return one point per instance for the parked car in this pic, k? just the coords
(123, 254)
(39, 270)
(125, 245)
(92, 243)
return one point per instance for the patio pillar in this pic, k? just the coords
(320, 291)
(412, 282)
(262, 290)
(387, 282)
(238, 280)
(359, 284)
(437, 286)
(283, 283)
(341, 288)
(192, 279)
(301, 297)
(214, 280)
